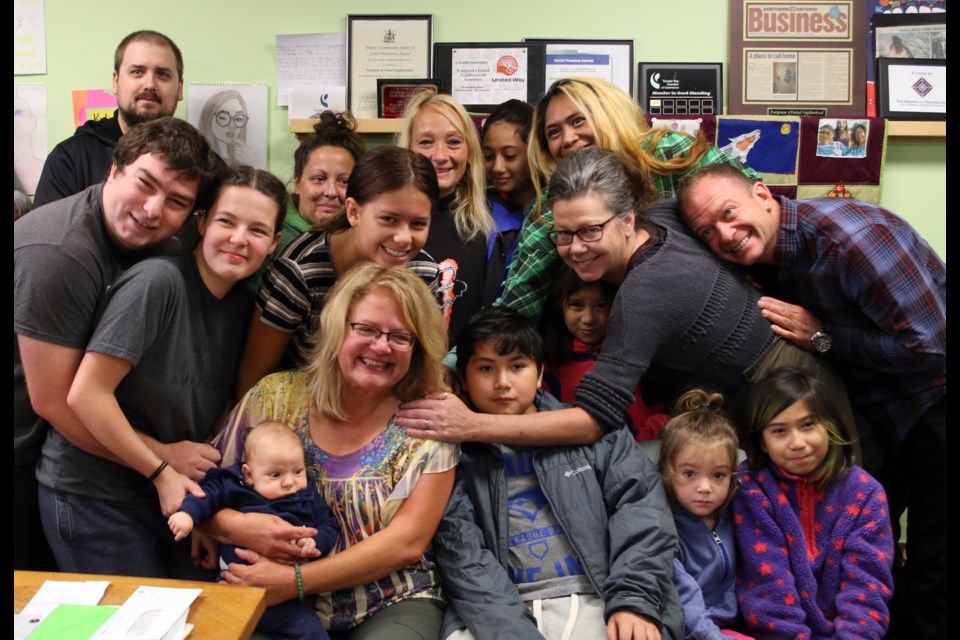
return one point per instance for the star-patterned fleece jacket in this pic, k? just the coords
(813, 564)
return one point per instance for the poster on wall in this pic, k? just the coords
(92, 104)
(29, 38)
(797, 57)
(233, 119)
(610, 60)
(481, 75)
(911, 9)
(29, 134)
(310, 60)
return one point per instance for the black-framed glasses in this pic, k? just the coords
(590, 233)
(399, 340)
(224, 118)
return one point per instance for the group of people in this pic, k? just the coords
(303, 429)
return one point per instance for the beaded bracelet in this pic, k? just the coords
(296, 569)
(155, 474)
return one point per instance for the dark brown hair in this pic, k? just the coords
(772, 395)
(154, 38)
(178, 143)
(258, 179)
(383, 170)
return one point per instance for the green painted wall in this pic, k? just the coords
(234, 41)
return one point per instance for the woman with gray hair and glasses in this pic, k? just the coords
(682, 318)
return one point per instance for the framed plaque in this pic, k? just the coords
(393, 94)
(384, 46)
(912, 88)
(482, 75)
(680, 88)
(607, 59)
(797, 58)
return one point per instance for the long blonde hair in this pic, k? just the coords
(618, 125)
(419, 310)
(471, 214)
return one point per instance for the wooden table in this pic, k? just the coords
(220, 611)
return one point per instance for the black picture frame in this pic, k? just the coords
(885, 25)
(365, 65)
(923, 76)
(623, 79)
(694, 88)
(443, 69)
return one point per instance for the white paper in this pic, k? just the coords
(150, 613)
(53, 593)
(917, 89)
(310, 60)
(310, 102)
(29, 38)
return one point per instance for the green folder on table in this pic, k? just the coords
(72, 622)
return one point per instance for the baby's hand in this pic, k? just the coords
(181, 524)
(306, 545)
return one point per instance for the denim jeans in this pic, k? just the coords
(92, 536)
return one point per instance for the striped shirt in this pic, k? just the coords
(295, 287)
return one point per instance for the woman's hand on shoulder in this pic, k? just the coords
(627, 625)
(440, 416)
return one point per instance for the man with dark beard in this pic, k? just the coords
(148, 83)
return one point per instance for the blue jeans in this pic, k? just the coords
(92, 536)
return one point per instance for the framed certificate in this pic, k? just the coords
(680, 88)
(607, 59)
(797, 58)
(393, 95)
(384, 46)
(912, 88)
(482, 75)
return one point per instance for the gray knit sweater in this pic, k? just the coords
(682, 318)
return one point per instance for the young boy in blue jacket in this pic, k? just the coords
(550, 542)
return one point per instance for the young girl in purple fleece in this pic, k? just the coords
(816, 548)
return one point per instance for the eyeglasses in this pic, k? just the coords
(590, 233)
(399, 340)
(224, 118)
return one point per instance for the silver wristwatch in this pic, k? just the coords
(821, 341)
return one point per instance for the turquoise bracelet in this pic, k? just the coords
(296, 569)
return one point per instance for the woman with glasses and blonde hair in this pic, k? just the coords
(223, 122)
(382, 344)
(438, 127)
(576, 113)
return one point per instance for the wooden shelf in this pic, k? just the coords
(895, 128)
(364, 125)
(916, 129)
